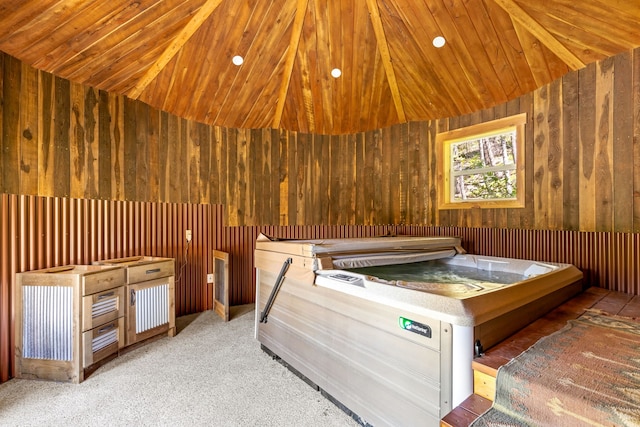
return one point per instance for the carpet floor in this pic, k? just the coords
(211, 373)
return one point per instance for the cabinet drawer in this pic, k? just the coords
(150, 271)
(102, 280)
(102, 307)
(102, 341)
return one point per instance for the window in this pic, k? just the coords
(482, 165)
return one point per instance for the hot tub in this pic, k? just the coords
(387, 327)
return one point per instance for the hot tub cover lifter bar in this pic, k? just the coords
(274, 291)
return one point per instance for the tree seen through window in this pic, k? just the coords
(484, 168)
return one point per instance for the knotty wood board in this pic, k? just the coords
(77, 146)
(129, 149)
(555, 160)
(604, 146)
(622, 143)
(104, 144)
(636, 140)
(116, 134)
(541, 157)
(28, 128)
(587, 120)
(61, 173)
(45, 133)
(10, 117)
(153, 129)
(571, 152)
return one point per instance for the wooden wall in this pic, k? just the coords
(66, 140)
(582, 152)
(62, 139)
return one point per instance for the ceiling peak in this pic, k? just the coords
(174, 47)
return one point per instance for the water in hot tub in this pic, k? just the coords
(437, 271)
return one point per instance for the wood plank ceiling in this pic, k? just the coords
(176, 55)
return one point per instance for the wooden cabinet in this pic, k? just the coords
(70, 319)
(67, 320)
(149, 295)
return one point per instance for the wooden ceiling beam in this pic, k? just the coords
(541, 33)
(301, 10)
(383, 47)
(176, 44)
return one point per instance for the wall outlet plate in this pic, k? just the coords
(210, 278)
(187, 235)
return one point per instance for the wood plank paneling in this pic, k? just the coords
(172, 177)
(541, 157)
(242, 202)
(153, 130)
(62, 129)
(417, 191)
(77, 144)
(129, 149)
(334, 183)
(635, 85)
(103, 141)
(301, 184)
(555, 159)
(622, 143)
(29, 131)
(91, 136)
(90, 144)
(604, 146)
(10, 143)
(571, 152)
(116, 133)
(587, 120)
(290, 196)
(141, 155)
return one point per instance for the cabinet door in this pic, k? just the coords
(150, 308)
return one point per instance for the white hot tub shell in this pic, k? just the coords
(393, 351)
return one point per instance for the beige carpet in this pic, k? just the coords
(211, 373)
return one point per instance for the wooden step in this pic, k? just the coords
(463, 415)
(485, 368)
(484, 385)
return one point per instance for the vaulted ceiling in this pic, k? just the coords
(176, 55)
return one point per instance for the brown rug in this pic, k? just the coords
(587, 374)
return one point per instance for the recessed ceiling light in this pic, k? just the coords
(238, 60)
(439, 41)
(336, 72)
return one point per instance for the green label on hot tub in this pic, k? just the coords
(415, 327)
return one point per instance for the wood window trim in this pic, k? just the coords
(443, 141)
